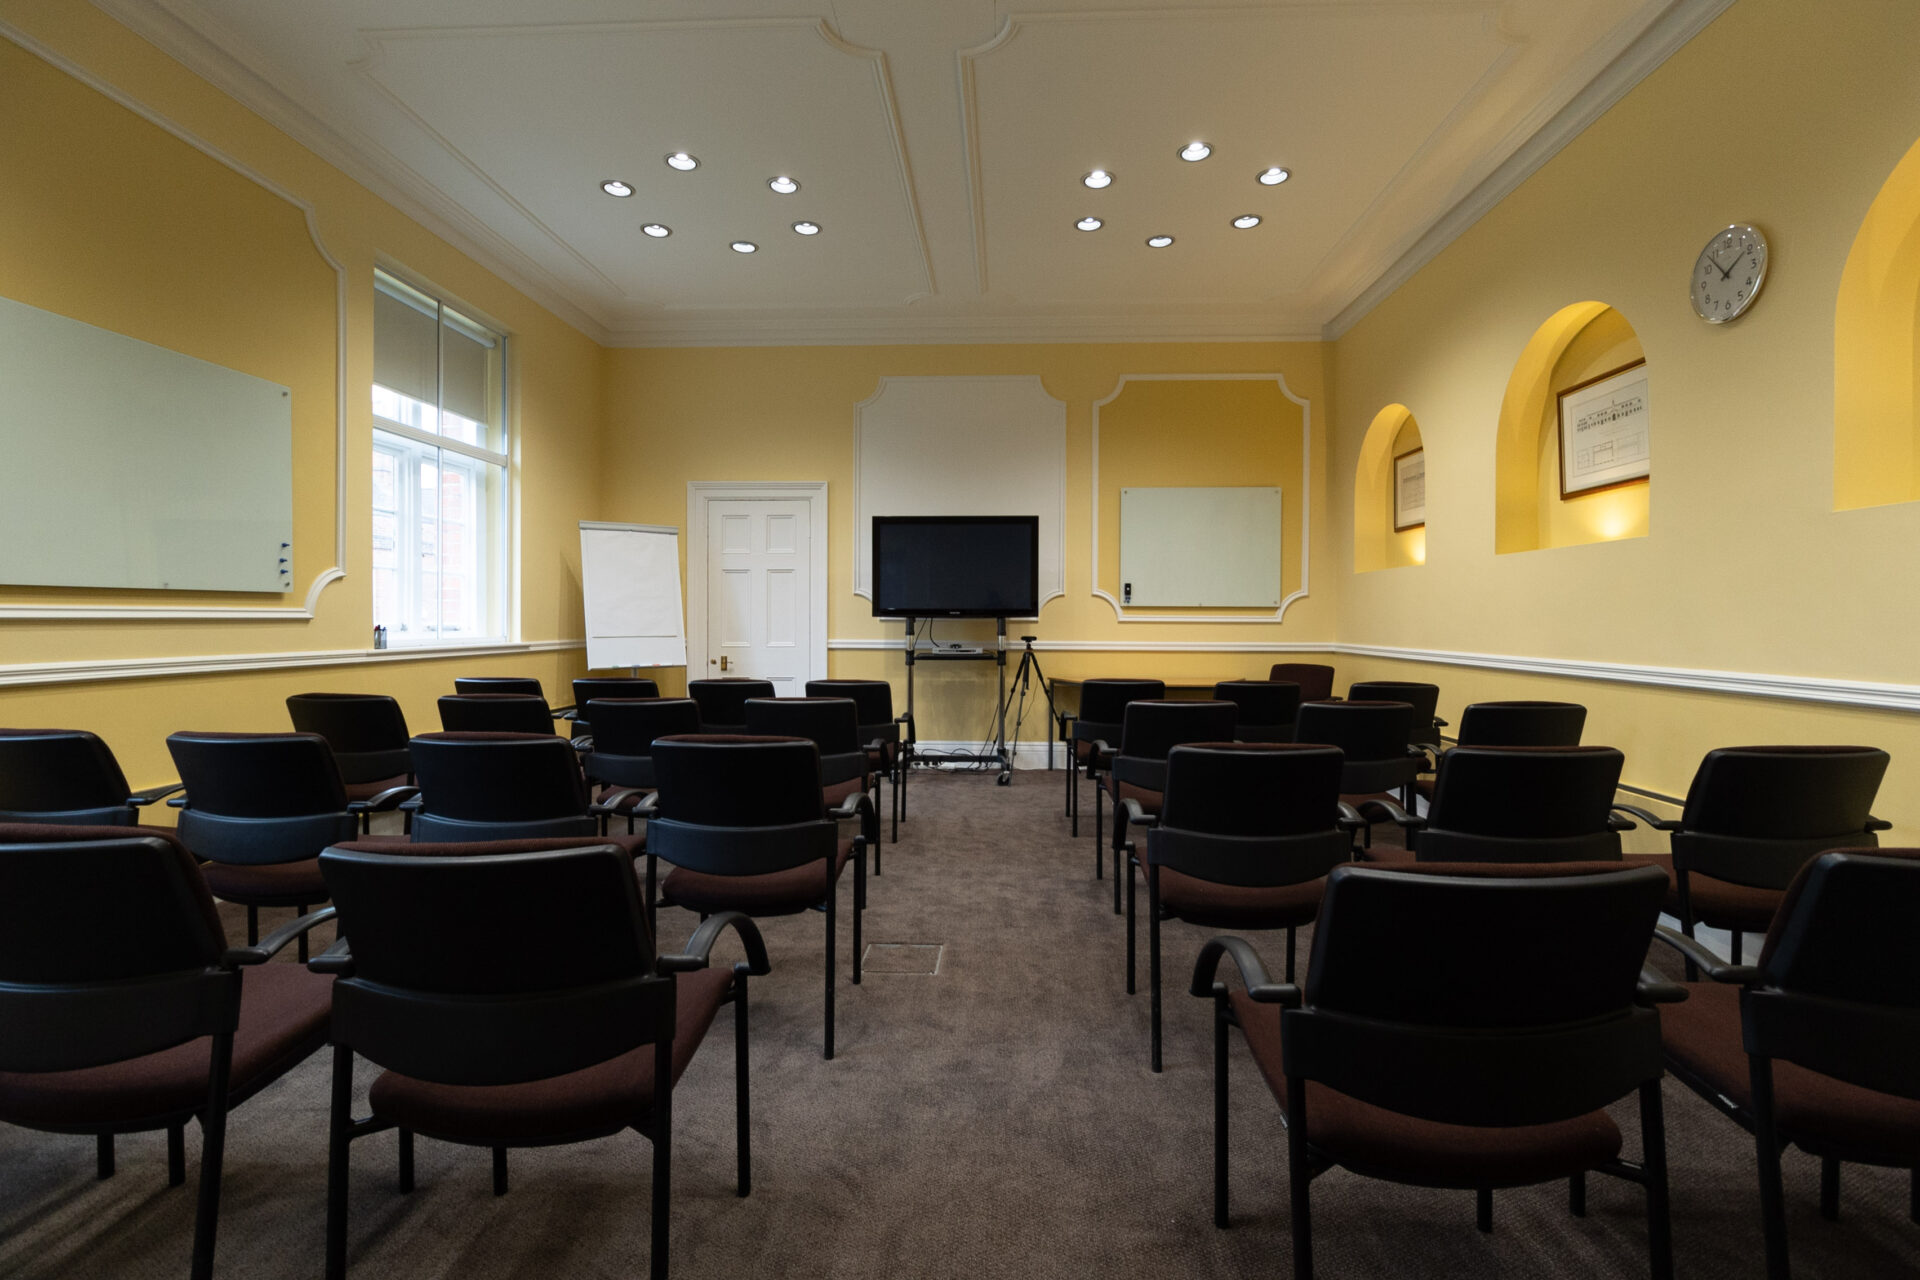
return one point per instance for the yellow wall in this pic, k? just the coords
(1745, 566)
(106, 217)
(788, 414)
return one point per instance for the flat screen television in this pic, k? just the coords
(956, 566)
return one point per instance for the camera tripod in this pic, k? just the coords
(1028, 670)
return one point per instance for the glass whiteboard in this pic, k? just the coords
(1200, 547)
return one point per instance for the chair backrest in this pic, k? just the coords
(1266, 708)
(495, 969)
(872, 699)
(587, 688)
(61, 776)
(1149, 730)
(1522, 724)
(1522, 804)
(1756, 815)
(831, 724)
(1315, 680)
(1248, 813)
(526, 686)
(108, 947)
(367, 731)
(259, 798)
(1366, 731)
(1483, 1000)
(1423, 698)
(498, 786)
(723, 702)
(1839, 989)
(1103, 706)
(495, 713)
(739, 804)
(624, 730)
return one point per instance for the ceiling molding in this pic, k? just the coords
(1660, 40)
(894, 328)
(358, 157)
(964, 62)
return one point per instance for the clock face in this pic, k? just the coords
(1729, 273)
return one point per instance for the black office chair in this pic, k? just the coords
(587, 688)
(525, 686)
(1753, 817)
(1459, 1032)
(889, 751)
(1423, 698)
(517, 1000)
(368, 734)
(740, 821)
(1815, 1046)
(1266, 708)
(1374, 737)
(495, 713)
(67, 776)
(1103, 707)
(506, 786)
(1137, 775)
(621, 756)
(1245, 839)
(833, 726)
(1315, 679)
(1515, 804)
(723, 701)
(123, 1009)
(1521, 724)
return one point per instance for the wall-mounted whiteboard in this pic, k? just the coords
(124, 464)
(1200, 547)
(630, 579)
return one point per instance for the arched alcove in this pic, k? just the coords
(1876, 351)
(1575, 346)
(1377, 544)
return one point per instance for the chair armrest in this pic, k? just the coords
(1878, 824)
(140, 799)
(388, 800)
(852, 807)
(1439, 723)
(178, 802)
(264, 950)
(413, 805)
(611, 804)
(700, 945)
(583, 743)
(1710, 964)
(569, 712)
(1617, 823)
(1392, 812)
(336, 959)
(1658, 824)
(1655, 988)
(906, 718)
(1253, 974)
(1349, 818)
(1138, 816)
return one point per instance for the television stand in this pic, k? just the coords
(997, 754)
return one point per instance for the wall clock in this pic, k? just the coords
(1728, 275)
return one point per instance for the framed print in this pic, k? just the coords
(1604, 431)
(1410, 491)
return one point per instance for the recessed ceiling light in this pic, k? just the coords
(615, 187)
(682, 161)
(1247, 220)
(745, 246)
(784, 185)
(658, 230)
(807, 228)
(1098, 178)
(1273, 177)
(1089, 224)
(1195, 151)
(1159, 242)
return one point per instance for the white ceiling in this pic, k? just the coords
(939, 145)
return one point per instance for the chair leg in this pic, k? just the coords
(1073, 792)
(1483, 1209)
(742, 1116)
(253, 926)
(406, 1162)
(499, 1171)
(859, 906)
(1653, 1162)
(213, 1150)
(662, 1156)
(1577, 1195)
(1830, 1188)
(833, 912)
(1299, 1178)
(653, 894)
(870, 827)
(1766, 1141)
(1099, 818)
(1131, 914)
(1219, 1108)
(1738, 939)
(103, 1156)
(176, 1154)
(299, 911)
(1289, 953)
(1153, 964)
(1121, 862)
(340, 1133)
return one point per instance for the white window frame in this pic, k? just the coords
(495, 514)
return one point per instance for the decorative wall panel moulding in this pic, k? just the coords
(335, 571)
(25, 673)
(1126, 646)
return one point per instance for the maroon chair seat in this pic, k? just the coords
(777, 893)
(368, 790)
(1718, 904)
(1233, 906)
(1361, 1136)
(593, 1102)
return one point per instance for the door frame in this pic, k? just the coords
(702, 492)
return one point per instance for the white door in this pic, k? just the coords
(760, 591)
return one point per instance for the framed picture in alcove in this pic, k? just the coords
(1604, 432)
(1410, 490)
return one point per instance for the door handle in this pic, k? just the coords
(723, 662)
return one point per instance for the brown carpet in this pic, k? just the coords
(995, 1119)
